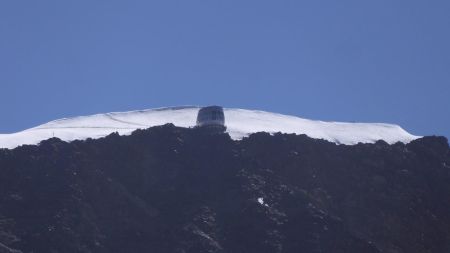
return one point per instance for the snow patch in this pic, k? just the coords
(261, 201)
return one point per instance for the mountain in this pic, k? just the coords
(169, 189)
(239, 123)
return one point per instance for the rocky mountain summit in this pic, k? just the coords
(172, 189)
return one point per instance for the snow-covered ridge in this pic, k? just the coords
(239, 122)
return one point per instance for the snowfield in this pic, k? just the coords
(239, 122)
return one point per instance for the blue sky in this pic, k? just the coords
(368, 61)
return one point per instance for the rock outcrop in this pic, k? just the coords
(170, 189)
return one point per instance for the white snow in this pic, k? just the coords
(239, 122)
(261, 201)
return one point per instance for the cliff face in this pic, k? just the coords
(169, 189)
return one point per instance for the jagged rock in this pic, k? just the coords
(170, 189)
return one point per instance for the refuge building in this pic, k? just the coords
(211, 117)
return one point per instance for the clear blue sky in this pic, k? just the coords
(369, 61)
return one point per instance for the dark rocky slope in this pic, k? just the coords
(169, 189)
